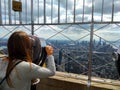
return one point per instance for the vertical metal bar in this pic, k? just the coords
(66, 9)
(91, 48)
(112, 10)
(51, 11)
(9, 11)
(38, 11)
(26, 11)
(14, 15)
(31, 11)
(20, 16)
(44, 11)
(83, 10)
(0, 13)
(58, 11)
(90, 57)
(74, 10)
(32, 28)
(102, 10)
(5, 10)
(32, 25)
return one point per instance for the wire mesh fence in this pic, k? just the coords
(84, 36)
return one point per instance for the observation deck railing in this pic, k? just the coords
(83, 33)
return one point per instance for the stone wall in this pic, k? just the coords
(65, 81)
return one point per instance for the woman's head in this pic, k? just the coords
(19, 46)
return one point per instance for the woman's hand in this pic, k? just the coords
(49, 50)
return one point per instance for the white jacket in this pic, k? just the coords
(23, 73)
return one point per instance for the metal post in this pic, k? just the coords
(38, 11)
(9, 11)
(74, 10)
(112, 10)
(26, 10)
(102, 10)
(83, 11)
(90, 48)
(51, 11)
(5, 10)
(44, 11)
(0, 13)
(66, 9)
(20, 16)
(58, 11)
(32, 25)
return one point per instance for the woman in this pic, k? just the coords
(20, 48)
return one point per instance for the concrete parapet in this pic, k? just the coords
(68, 81)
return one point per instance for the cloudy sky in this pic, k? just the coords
(66, 12)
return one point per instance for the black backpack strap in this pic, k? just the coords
(16, 62)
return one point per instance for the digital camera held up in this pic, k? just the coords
(39, 52)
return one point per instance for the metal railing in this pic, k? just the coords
(58, 12)
(78, 30)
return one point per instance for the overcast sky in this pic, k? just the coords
(110, 32)
(38, 10)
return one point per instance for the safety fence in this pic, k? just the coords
(84, 33)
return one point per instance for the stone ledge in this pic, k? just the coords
(68, 81)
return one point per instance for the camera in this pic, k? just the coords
(38, 50)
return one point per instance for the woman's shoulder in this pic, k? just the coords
(26, 65)
(26, 68)
(23, 64)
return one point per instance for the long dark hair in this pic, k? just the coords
(19, 47)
